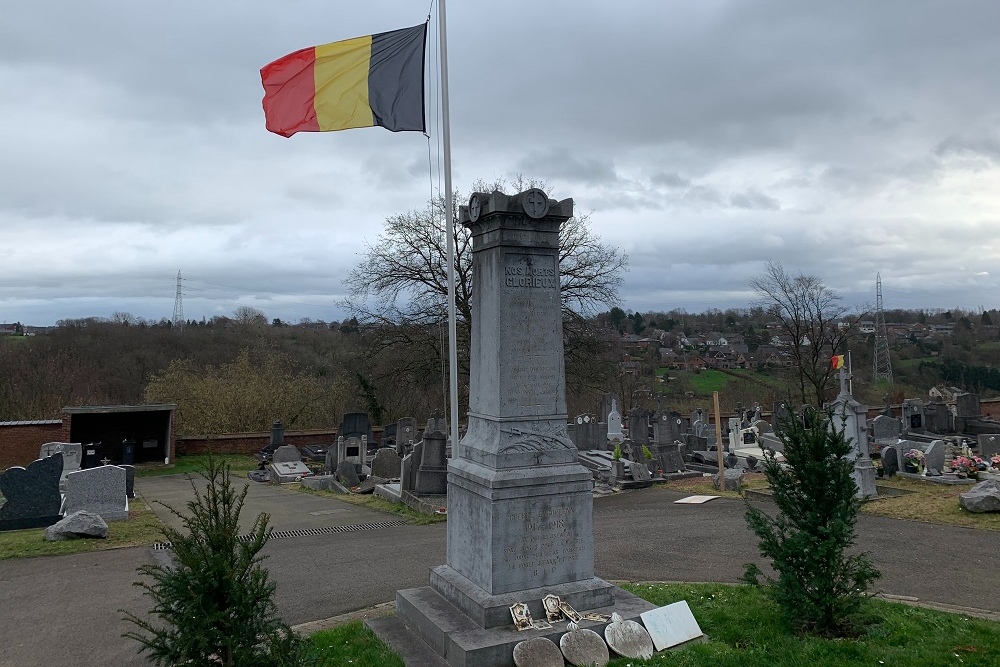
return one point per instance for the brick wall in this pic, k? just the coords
(251, 443)
(20, 442)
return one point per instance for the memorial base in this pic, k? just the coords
(430, 631)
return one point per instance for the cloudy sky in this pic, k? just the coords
(704, 138)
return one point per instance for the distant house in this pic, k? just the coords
(714, 339)
(866, 327)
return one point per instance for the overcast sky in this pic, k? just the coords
(703, 137)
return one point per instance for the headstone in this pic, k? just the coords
(437, 422)
(851, 418)
(432, 472)
(330, 462)
(628, 639)
(937, 416)
(99, 490)
(386, 464)
(406, 435)
(77, 525)
(406, 472)
(356, 424)
(671, 625)
(676, 422)
(288, 472)
(640, 472)
(587, 432)
(966, 409)
(608, 401)
(615, 433)
(989, 445)
(537, 652)
(352, 448)
(32, 494)
(318, 482)
(72, 455)
(584, 648)
(890, 460)
(885, 429)
(129, 480)
(913, 415)
(771, 441)
(670, 458)
(934, 455)
(638, 426)
(780, 412)
(732, 480)
(983, 497)
(347, 475)
(286, 454)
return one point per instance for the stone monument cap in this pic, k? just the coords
(534, 202)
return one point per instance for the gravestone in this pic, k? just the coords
(72, 455)
(583, 647)
(608, 401)
(406, 435)
(885, 429)
(937, 416)
(432, 471)
(129, 480)
(520, 505)
(913, 415)
(670, 458)
(639, 472)
(671, 625)
(615, 433)
(358, 425)
(851, 418)
(287, 472)
(989, 445)
(629, 639)
(676, 422)
(286, 454)
(890, 460)
(779, 413)
(352, 448)
(100, 491)
(90, 455)
(32, 494)
(934, 455)
(638, 426)
(587, 433)
(437, 422)
(347, 475)
(662, 430)
(386, 464)
(277, 440)
(537, 652)
(966, 410)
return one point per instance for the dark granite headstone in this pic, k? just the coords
(356, 424)
(90, 455)
(386, 464)
(890, 460)
(32, 494)
(347, 475)
(670, 458)
(129, 480)
(432, 472)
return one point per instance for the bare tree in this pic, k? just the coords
(814, 321)
(249, 316)
(399, 290)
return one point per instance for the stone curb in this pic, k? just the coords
(389, 608)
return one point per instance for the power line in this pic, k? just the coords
(177, 321)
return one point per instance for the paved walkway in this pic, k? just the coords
(63, 610)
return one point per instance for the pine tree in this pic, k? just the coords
(216, 602)
(819, 587)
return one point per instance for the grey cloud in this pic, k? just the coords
(754, 200)
(559, 163)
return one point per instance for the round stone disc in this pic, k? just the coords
(629, 639)
(584, 647)
(538, 652)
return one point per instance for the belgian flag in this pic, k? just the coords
(375, 80)
(837, 361)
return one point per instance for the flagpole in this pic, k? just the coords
(450, 226)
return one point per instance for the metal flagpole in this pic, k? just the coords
(450, 226)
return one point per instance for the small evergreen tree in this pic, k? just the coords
(819, 587)
(216, 603)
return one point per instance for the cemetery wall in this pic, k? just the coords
(251, 443)
(20, 441)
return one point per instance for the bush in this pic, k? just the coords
(819, 588)
(216, 602)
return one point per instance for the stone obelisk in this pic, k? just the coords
(520, 505)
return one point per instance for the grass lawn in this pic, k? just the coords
(929, 502)
(373, 502)
(745, 630)
(708, 381)
(141, 528)
(702, 486)
(240, 464)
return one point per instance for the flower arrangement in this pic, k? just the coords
(995, 461)
(915, 457)
(970, 465)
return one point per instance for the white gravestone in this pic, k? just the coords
(671, 625)
(615, 433)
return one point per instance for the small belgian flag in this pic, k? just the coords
(837, 361)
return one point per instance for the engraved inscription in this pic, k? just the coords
(528, 271)
(549, 540)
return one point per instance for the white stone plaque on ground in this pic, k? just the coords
(671, 625)
(695, 500)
